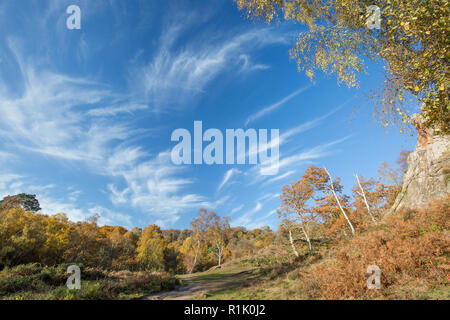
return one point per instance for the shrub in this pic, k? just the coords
(34, 281)
(411, 249)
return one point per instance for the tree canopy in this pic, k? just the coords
(413, 41)
(22, 200)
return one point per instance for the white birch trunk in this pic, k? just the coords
(339, 203)
(292, 243)
(302, 224)
(363, 194)
(307, 238)
(219, 252)
(195, 257)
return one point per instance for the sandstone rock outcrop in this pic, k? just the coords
(428, 175)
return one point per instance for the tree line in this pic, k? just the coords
(28, 236)
(313, 209)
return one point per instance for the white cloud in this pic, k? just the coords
(309, 124)
(69, 119)
(51, 205)
(311, 154)
(276, 105)
(154, 187)
(123, 158)
(226, 178)
(46, 116)
(6, 179)
(115, 110)
(175, 75)
(293, 162)
(237, 209)
(118, 197)
(248, 65)
(11, 184)
(246, 218)
(269, 196)
(280, 177)
(5, 156)
(284, 138)
(109, 217)
(261, 221)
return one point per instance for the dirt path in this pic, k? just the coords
(204, 284)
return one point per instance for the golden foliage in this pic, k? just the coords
(413, 42)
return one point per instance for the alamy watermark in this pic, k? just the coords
(374, 19)
(74, 281)
(74, 20)
(234, 150)
(374, 281)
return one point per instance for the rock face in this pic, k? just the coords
(428, 175)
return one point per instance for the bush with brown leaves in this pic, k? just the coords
(411, 249)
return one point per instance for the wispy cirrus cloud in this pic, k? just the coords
(154, 186)
(73, 119)
(286, 163)
(115, 110)
(11, 184)
(268, 196)
(246, 218)
(310, 124)
(279, 177)
(261, 220)
(227, 177)
(46, 116)
(313, 153)
(248, 65)
(5, 156)
(175, 75)
(6, 179)
(237, 209)
(290, 163)
(289, 133)
(266, 110)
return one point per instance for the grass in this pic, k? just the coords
(271, 282)
(37, 282)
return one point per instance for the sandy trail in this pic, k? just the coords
(201, 285)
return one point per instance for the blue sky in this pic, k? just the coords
(86, 115)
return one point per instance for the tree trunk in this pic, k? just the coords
(363, 194)
(219, 253)
(339, 203)
(307, 238)
(302, 224)
(195, 257)
(292, 243)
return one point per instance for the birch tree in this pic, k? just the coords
(219, 234)
(199, 226)
(287, 225)
(373, 195)
(363, 195)
(294, 198)
(338, 202)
